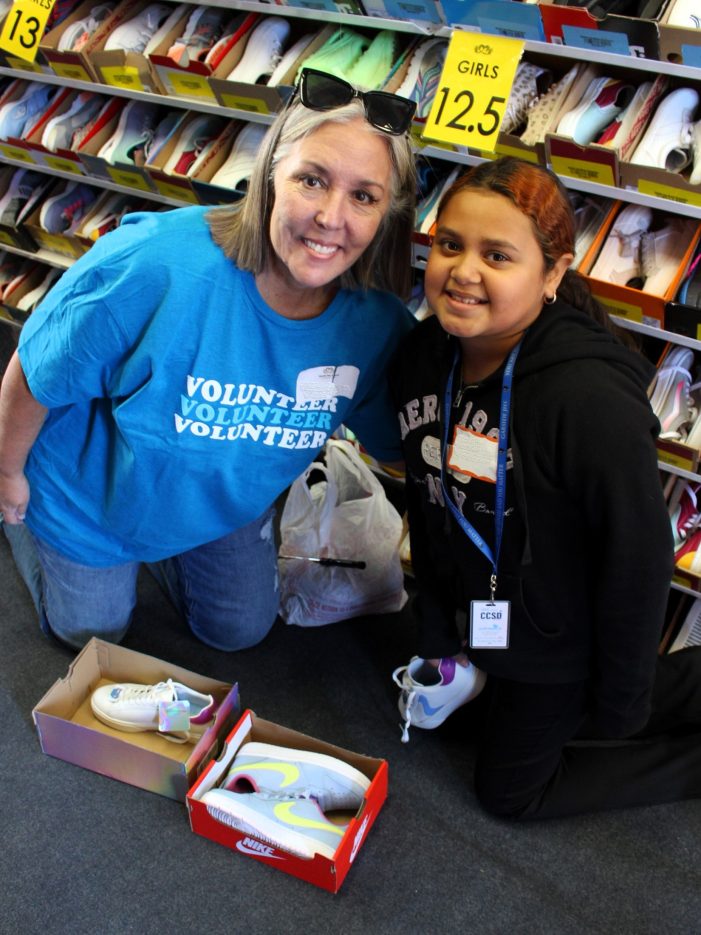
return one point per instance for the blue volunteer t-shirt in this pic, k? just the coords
(181, 405)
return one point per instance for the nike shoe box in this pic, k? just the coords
(598, 31)
(69, 730)
(320, 870)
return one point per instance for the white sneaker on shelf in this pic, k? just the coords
(263, 51)
(662, 252)
(134, 35)
(619, 260)
(238, 166)
(666, 143)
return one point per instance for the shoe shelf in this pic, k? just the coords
(42, 255)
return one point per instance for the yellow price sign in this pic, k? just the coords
(474, 87)
(24, 26)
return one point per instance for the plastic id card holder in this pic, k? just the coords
(489, 624)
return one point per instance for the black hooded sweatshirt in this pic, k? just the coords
(586, 557)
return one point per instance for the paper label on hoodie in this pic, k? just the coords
(474, 454)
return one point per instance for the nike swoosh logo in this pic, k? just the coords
(240, 846)
(427, 707)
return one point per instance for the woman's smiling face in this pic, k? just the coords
(332, 191)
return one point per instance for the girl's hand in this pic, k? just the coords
(14, 498)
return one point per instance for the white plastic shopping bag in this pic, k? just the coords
(346, 520)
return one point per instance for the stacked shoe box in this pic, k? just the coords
(680, 33)
(194, 137)
(624, 247)
(625, 35)
(500, 17)
(69, 730)
(117, 712)
(325, 869)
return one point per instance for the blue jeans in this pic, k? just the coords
(227, 590)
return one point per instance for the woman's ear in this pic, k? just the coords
(553, 277)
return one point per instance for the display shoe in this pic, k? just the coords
(603, 100)
(690, 631)
(22, 185)
(666, 143)
(589, 216)
(107, 216)
(695, 136)
(686, 516)
(690, 290)
(427, 208)
(544, 114)
(167, 25)
(62, 213)
(31, 299)
(10, 288)
(374, 65)
(429, 695)
(83, 134)
(688, 556)
(530, 82)
(59, 131)
(133, 134)
(236, 169)
(166, 125)
(421, 80)
(619, 260)
(295, 825)
(290, 57)
(263, 767)
(134, 35)
(60, 11)
(77, 35)
(175, 711)
(19, 114)
(338, 54)
(194, 139)
(204, 28)
(662, 252)
(617, 132)
(263, 51)
(233, 33)
(685, 13)
(670, 393)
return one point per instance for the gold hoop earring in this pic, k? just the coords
(550, 299)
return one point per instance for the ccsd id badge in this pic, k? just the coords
(489, 624)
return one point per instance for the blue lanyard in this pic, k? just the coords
(500, 493)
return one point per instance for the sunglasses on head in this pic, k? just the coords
(388, 112)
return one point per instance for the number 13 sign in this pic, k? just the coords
(473, 90)
(24, 27)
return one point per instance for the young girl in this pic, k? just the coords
(535, 508)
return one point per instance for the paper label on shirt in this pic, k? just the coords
(326, 383)
(489, 624)
(474, 454)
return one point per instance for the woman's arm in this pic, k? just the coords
(21, 418)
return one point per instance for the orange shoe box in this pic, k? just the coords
(325, 873)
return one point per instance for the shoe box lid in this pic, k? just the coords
(69, 731)
(648, 180)
(499, 17)
(623, 35)
(679, 44)
(323, 872)
(77, 65)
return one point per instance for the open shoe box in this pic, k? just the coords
(132, 71)
(602, 164)
(16, 236)
(206, 192)
(260, 98)
(174, 185)
(679, 44)
(328, 874)
(67, 244)
(660, 184)
(625, 301)
(77, 66)
(68, 729)
(623, 35)
(36, 275)
(193, 80)
(676, 453)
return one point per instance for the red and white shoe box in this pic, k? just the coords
(325, 873)
(625, 301)
(68, 729)
(640, 35)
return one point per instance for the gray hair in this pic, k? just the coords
(242, 229)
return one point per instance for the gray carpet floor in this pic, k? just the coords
(86, 855)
